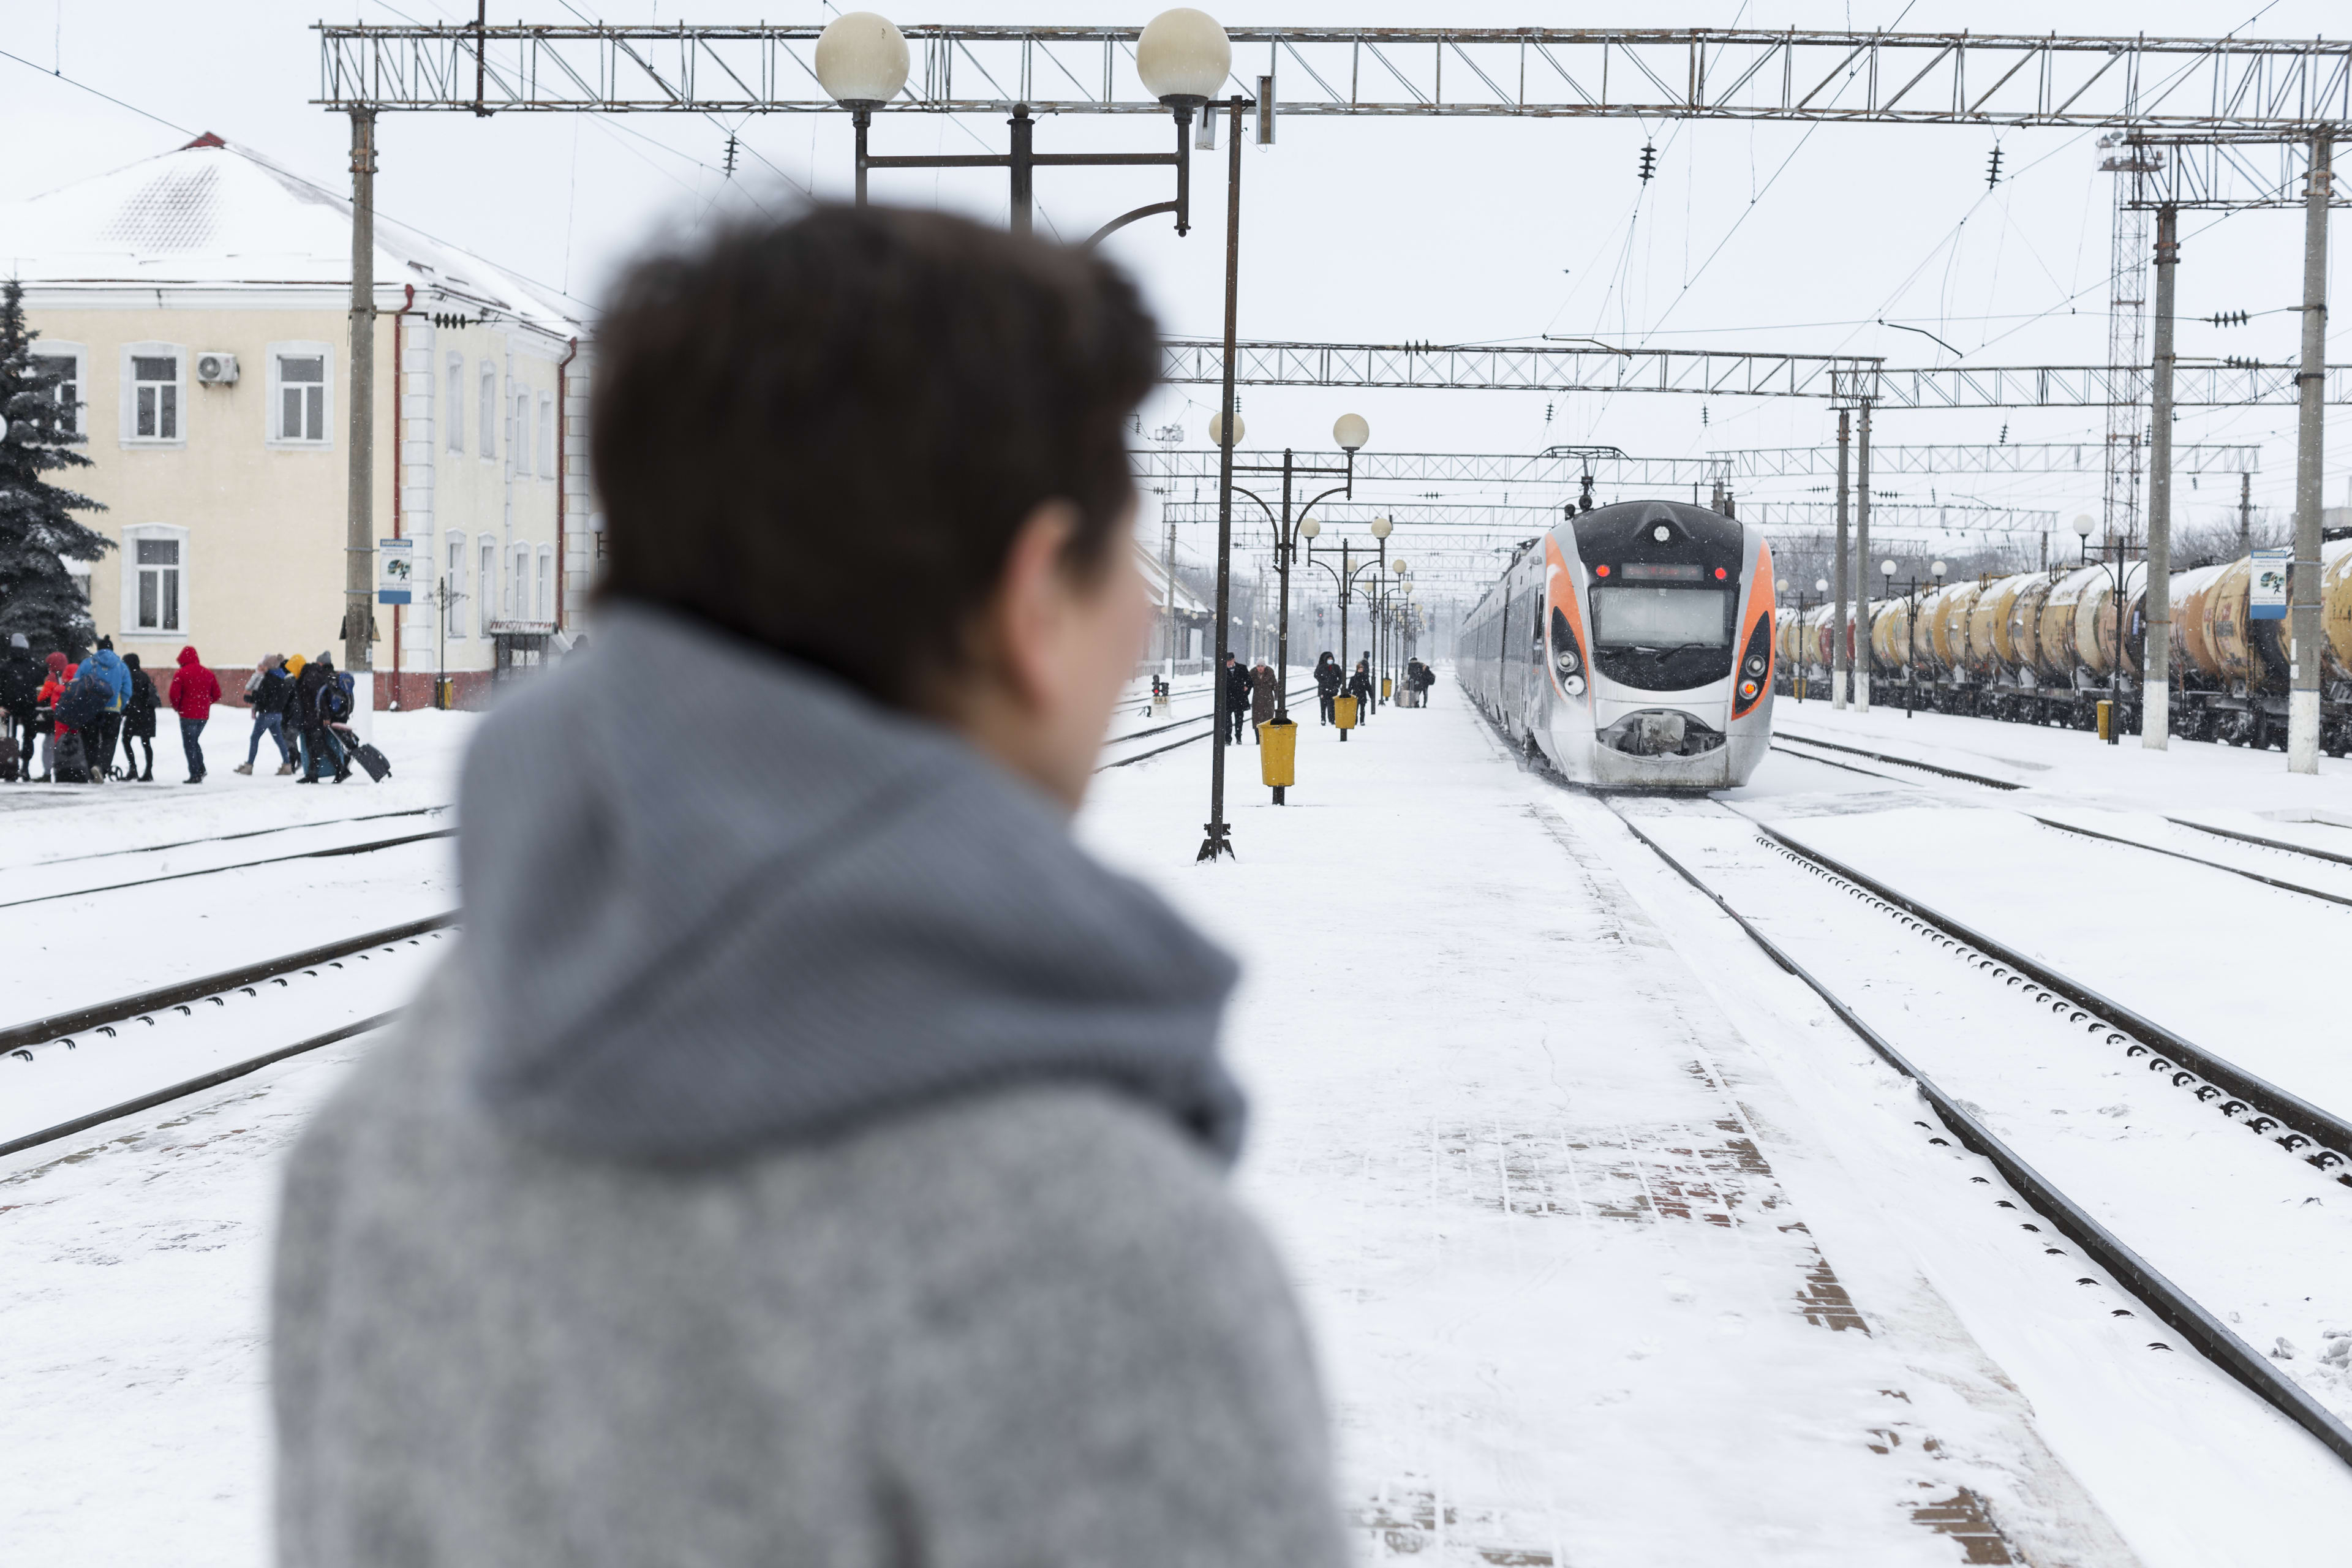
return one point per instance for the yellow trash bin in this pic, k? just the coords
(1343, 713)
(2106, 719)
(1386, 682)
(1277, 755)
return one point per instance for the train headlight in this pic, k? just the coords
(1565, 662)
(1754, 664)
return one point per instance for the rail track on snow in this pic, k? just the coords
(65, 1032)
(2295, 1126)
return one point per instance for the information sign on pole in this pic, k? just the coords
(395, 570)
(2267, 593)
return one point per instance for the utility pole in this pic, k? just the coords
(359, 525)
(1841, 575)
(2303, 585)
(2155, 696)
(1219, 839)
(2245, 512)
(1168, 603)
(1862, 563)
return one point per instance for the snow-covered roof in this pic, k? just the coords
(1188, 603)
(213, 215)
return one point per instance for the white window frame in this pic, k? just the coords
(546, 437)
(543, 596)
(486, 592)
(275, 437)
(42, 348)
(454, 374)
(130, 399)
(520, 442)
(455, 570)
(519, 584)
(128, 627)
(486, 392)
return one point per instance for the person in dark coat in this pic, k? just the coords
(1262, 695)
(1360, 687)
(78, 707)
(139, 722)
(1327, 685)
(309, 712)
(268, 691)
(20, 694)
(1236, 697)
(195, 689)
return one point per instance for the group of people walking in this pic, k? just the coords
(302, 705)
(1252, 693)
(1252, 696)
(82, 712)
(1334, 680)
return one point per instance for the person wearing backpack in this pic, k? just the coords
(78, 706)
(107, 729)
(139, 722)
(193, 691)
(324, 701)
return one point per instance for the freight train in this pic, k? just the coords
(2046, 647)
(1632, 647)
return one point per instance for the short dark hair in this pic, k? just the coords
(824, 432)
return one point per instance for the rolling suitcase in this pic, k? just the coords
(378, 766)
(71, 762)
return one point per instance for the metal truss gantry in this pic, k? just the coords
(2046, 458)
(1520, 520)
(1557, 468)
(1850, 379)
(1800, 74)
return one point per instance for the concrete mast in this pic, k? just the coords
(1838, 577)
(2155, 697)
(2303, 585)
(359, 527)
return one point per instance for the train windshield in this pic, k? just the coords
(1660, 618)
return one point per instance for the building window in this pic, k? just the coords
(66, 368)
(456, 411)
(489, 400)
(486, 592)
(152, 392)
(546, 583)
(546, 437)
(154, 581)
(518, 585)
(298, 406)
(522, 433)
(457, 580)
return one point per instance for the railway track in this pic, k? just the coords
(220, 839)
(71, 1071)
(328, 853)
(1939, 1015)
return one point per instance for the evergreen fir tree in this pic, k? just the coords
(37, 532)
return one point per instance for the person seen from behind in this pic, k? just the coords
(1236, 699)
(195, 689)
(108, 731)
(1262, 695)
(266, 691)
(139, 722)
(807, 1153)
(84, 698)
(20, 695)
(45, 711)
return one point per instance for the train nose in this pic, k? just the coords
(1661, 733)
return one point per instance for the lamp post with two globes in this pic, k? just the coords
(1182, 56)
(1349, 433)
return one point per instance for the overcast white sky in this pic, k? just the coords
(1355, 230)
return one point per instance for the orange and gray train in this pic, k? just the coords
(1633, 647)
(2046, 647)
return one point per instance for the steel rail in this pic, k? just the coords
(2265, 843)
(1900, 762)
(328, 854)
(2167, 1302)
(79, 1020)
(192, 1085)
(2331, 1134)
(2193, 859)
(220, 839)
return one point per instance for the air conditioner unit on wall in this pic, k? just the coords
(216, 369)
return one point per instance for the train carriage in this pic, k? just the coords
(1633, 647)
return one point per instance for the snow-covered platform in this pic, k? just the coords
(1621, 1248)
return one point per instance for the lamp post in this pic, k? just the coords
(1870, 626)
(1349, 433)
(1182, 56)
(1343, 577)
(1911, 637)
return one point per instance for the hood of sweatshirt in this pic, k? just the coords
(718, 903)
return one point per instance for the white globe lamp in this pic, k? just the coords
(861, 60)
(1350, 432)
(1184, 58)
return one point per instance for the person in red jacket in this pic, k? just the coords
(193, 691)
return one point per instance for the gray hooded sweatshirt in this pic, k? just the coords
(809, 1157)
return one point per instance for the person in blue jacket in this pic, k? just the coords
(108, 727)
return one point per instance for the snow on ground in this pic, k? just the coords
(1621, 1251)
